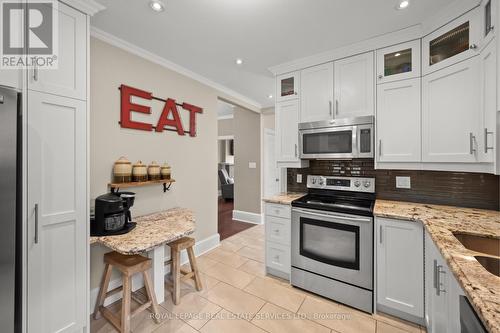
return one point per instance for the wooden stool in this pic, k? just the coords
(176, 247)
(128, 265)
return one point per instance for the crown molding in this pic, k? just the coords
(89, 7)
(131, 48)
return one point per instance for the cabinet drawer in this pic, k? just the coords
(278, 211)
(278, 230)
(278, 257)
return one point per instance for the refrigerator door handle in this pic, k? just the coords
(36, 223)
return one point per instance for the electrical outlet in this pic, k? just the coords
(403, 182)
(252, 165)
(299, 178)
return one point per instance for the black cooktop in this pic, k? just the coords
(338, 201)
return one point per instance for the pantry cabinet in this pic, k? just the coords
(398, 121)
(354, 86)
(316, 99)
(455, 42)
(451, 112)
(400, 268)
(287, 127)
(287, 87)
(69, 79)
(398, 62)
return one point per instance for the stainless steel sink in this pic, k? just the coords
(480, 244)
(491, 264)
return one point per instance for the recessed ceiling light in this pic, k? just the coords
(239, 61)
(270, 96)
(403, 4)
(397, 54)
(157, 5)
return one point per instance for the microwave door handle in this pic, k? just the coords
(355, 141)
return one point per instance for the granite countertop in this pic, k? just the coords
(481, 287)
(151, 231)
(285, 198)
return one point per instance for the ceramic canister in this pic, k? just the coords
(165, 171)
(154, 171)
(122, 171)
(139, 172)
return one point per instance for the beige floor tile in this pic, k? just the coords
(174, 326)
(193, 309)
(204, 263)
(229, 258)
(230, 275)
(248, 241)
(228, 322)
(386, 328)
(228, 245)
(339, 318)
(188, 286)
(275, 293)
(253, 253)
(235, 300)
(254, 232)
(254, 267)
(274, 319)
(396, 322)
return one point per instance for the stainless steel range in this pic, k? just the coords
(332, 240)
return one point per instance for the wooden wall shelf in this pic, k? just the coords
(115, 187)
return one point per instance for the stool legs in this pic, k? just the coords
(194, 268)
(125, 315)
(151, 295)
(176, 276)
(103, 290)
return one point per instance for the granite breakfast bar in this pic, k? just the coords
(150, 236)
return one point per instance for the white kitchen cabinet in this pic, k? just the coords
(287, 131)
(57, 214)
(316, 98)
(487, 133)
(398, 121)
(11, 78)
(398, 62)
(287, 87)
(278, 221)
(69, 79)
(400, 268)
(455, 42)
(354, 86)
(489, 16)
(451, 104)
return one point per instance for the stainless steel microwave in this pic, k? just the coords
(337, 139)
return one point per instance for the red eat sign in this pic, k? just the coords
(170, 108)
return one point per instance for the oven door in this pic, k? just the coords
(330, 142)
(334, 245)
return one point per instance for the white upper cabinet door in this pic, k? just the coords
(489, 11)
(57, 214)
(398, 62)
(354, 86)
(287, 128)
(400, 266)
(11, 78)
(398, 121)
(451, 113)
(454, 42)
(316, 98)
(69, 79)
(287, 87)
(487, 134)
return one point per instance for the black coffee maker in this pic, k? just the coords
(112, 214)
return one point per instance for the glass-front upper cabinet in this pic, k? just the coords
(287, 86)
(454, 42)
(489, 17)
(398, 62)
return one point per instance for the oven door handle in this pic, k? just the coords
(327, 215)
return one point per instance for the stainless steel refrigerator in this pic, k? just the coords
(10, 211)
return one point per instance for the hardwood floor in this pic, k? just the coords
(228, 227)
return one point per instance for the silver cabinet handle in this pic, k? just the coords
(473, 46)
(36, 223)
(486, 148)
(380, 77)
(35, 73)
(439, 284)
(380, 233)
(336, 106)
(296, 150)
(330, 107)
(380, 147)
(435, 275)
(472, 138)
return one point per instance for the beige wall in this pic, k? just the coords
(193, 160)
(268, 118)
(226, 127)
(246, 149)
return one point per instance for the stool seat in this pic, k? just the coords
(128, 265)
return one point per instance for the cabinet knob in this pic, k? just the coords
(473, 46)
(380, 77)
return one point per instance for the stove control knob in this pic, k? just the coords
(321, 181)
(313, 180)
(357, 183)
(366, 184)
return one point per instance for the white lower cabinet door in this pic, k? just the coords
(400, 267)
(398, 121)
(451, 113)
(278, 257)
(57, 214)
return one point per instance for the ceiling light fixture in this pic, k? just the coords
(397, 54)
(239, 61)
(403, 4)
(157, 5)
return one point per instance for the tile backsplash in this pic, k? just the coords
(476, 190)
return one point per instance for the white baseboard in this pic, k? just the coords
(248, 217)
(200, 248)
